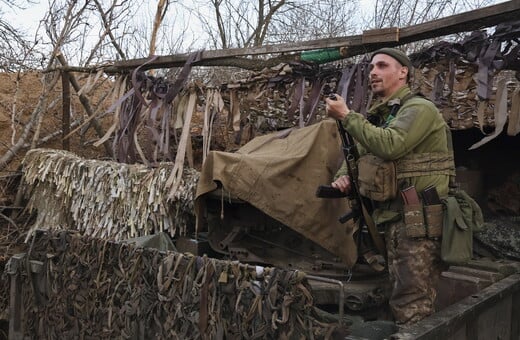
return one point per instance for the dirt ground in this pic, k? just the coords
(19, 96)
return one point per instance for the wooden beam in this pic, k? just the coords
(382, 35)
(464, 22)
(231, 55)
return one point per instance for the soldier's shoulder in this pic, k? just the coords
(420, 99)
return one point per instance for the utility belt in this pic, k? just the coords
(455, 217)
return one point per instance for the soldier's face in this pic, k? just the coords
(387, 75)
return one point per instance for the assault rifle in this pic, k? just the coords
(361, 208)
(351, 156)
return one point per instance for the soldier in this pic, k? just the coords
(411, 135)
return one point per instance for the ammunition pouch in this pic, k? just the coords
(434, 216)
(423, 221)
(377, 178)
(414, 221)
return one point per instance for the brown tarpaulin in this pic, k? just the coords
(279, 173)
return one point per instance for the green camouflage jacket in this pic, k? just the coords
(417, 128)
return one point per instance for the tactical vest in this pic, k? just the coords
(380, 179)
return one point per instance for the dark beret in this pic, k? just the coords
(398, 55)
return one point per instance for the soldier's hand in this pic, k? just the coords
(342, 183)
(336, 107)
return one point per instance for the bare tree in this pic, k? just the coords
(17, 52)
(401, 13)
(94, 30)
(234, 23)
(65, 25)
(162, 8)
(306, 20)
(108, 17)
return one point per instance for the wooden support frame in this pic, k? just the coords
(463, 22)
(82, 98)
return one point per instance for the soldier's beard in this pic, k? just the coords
(378, 91)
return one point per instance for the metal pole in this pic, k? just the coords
(341, 301)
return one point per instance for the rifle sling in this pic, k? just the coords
(372, 229)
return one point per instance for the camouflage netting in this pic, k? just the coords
(286, 95)
(100, 289)
(105, 199)
(472, 81)
(501, 237)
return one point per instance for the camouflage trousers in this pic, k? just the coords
(414, 267)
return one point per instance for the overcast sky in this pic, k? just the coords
(28, 18)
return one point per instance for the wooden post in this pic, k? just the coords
(85, 102)
(65, 83)
(15, 299)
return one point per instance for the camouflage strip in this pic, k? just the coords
(500, 113)
(99, 198)
(513, 127)
(105, 290)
